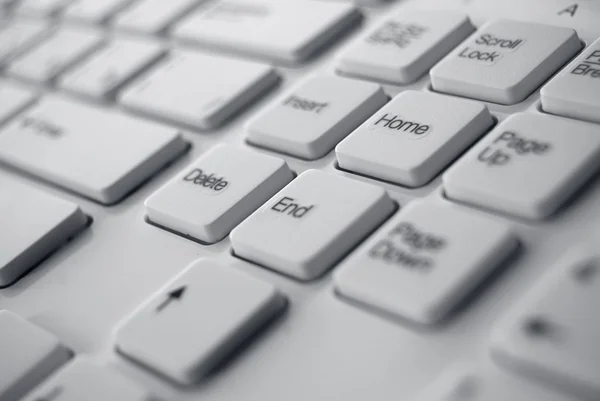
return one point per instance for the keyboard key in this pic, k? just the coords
(505, 61)
(316, 115)
(580, 15)
(424, 261)
(28, 354)
(485, 383)
(404, 46)
(84, 380)
(93, 10)
(574, 91)
(301, 27)
(16, 36)
(413, 137)
(13, 99)
(55, 54)
(528, 166)
(552, 334)
(198, 90)
(169, 332)
(42, 7)
(311, 223)
(106, 71)
(216, 192)
(95, 152)
(38, 224)
(153, 16)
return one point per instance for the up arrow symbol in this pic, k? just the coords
(174, 295)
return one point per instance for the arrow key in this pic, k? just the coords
(201, 316)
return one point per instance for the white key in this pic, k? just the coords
(94, 10)
(485, 383)
(580, 15)
(28, 354)
(84, 380)
(35, 224)
(285, 31)
(13, 99)
(424, 261)
(413, 137)
(313, 117)
(528, 166)
(198, 90)
(574, 91)
(106, 71)
(216, 192)
(310, 224)
(55, 54)
(405, 46)
(152, 16)
(42, 7)
(200, 317)
(505, 61)
(16, 36)
(552, 334)
(99, 153)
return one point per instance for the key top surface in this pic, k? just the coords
(316, 115)
(101, 75)
(84, 380)
(13, 99)
(424, 261)
(190, 325)
(552, 334)
(505, 61)
(311, 223)
(98, 153)
(197, 89)
(528, 166)
(153, 16)
(413, 137)
(28, 354)
(301, 27)
(16, 36)
(216, 192)
(404, 46)
(33, 224)
(54, 55)
(574, 92)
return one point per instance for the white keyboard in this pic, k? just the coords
(299, 200)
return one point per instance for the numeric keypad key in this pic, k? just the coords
(552, 334)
